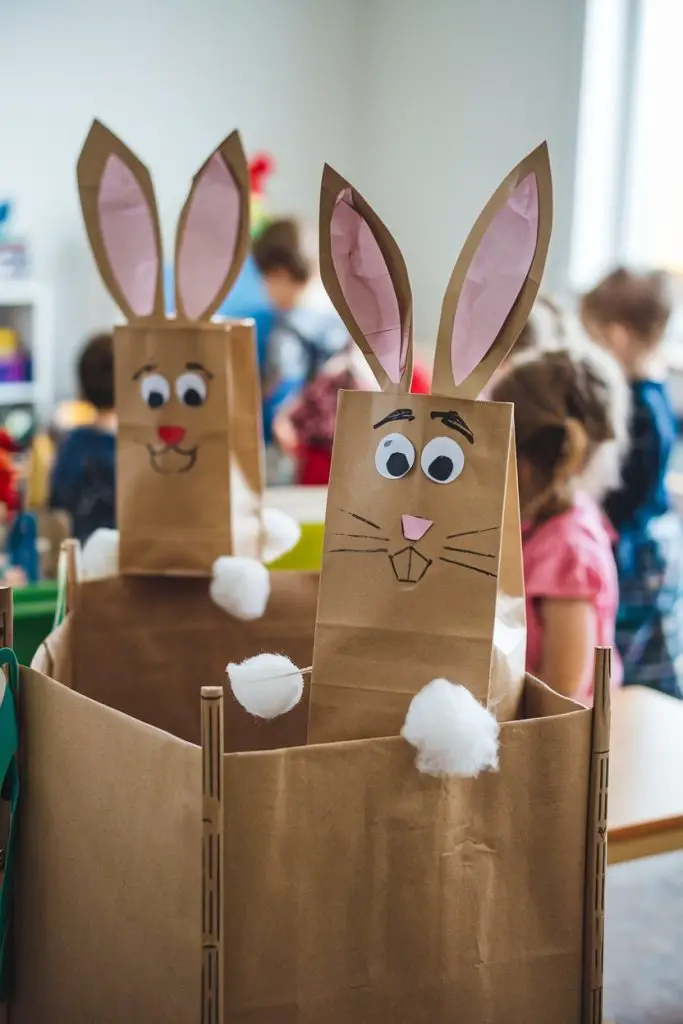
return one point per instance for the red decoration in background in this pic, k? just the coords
(9, 493)
(261, 166)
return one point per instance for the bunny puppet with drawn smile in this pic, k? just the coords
(189, 463)
(422, 579)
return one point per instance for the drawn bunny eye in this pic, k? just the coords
(191, 389)
(155, 390)
(395, 456)
(442, 460)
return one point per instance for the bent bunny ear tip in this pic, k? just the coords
(451, 731)
(332, 180)
(233, 144)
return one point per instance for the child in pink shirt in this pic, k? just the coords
(564, 414)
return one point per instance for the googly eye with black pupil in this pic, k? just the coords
(155, 390)
(442, 460)
(394, 456)
(191, 389)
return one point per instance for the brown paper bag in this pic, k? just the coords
(422, 571)
(107, 909)
(189, 465)
(353, 887)
(146, 647)
(359, 890)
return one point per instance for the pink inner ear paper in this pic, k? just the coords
(207, 248)
(128, 234)
(495, 278)
(367, 286)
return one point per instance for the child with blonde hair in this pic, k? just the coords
(565, 415)
(627, 313)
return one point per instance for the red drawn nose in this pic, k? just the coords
(171, 435)
(415, 528)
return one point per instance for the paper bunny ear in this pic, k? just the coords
(366, 279)
(120, 214)
(213, 232)
(496, 280)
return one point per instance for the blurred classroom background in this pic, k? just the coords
(424, 106)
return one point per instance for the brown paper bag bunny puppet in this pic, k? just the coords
(189, 472)
(422, 579)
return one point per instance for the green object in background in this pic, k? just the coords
(9, 773)
(307, 555)
(34, 612)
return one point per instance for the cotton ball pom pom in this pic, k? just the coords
(451, 731)
(240, 586)
(281, 533)
(100, 557)
(267, 685)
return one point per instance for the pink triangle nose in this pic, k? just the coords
(415, 528)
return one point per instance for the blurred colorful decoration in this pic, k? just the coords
(261, 166)
(13, 251)
(5, 211)
(13, 362)
(22, 546)
(9, 490)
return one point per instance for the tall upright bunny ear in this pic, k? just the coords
(212, 241)
(120, 214)
(496, 280)
(366, 278)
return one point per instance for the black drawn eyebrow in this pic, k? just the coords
(397, 414)
(201, 368)
(144, 369)
(452, 419)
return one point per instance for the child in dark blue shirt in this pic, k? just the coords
(628, 312)
(83, 477)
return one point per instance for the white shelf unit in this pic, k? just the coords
(26, 306)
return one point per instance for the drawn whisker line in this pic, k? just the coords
(360, 536)
(468, 551)
(464, 565)
(471, 533)
(361, 519)
(358, 551)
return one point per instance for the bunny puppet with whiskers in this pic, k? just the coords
(422, 578)
(189, 462)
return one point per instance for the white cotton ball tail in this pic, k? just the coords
(240, 586)
(281, 533)
(267, 685)
(100, 557)
(451, 731)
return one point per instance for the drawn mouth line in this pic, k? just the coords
(187, 453)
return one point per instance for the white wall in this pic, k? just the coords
(172, 77)
(424, 105)
(455, 92)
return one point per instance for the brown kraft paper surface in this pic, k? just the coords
(359, 890)
(392, 616)
(107, 912)
(146, 646)
(174, 505)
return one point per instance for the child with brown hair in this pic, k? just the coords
(628, 312)
(564, 415)
(83, 476)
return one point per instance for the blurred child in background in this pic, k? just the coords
(83, 476)
(563, 416)
(628, 312)
(304, 427)
(305, 334)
